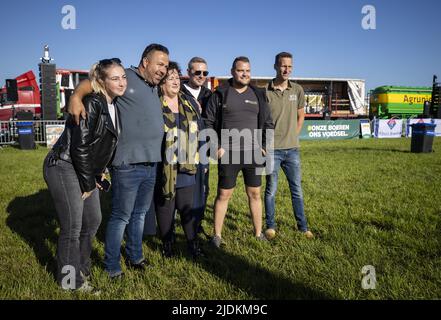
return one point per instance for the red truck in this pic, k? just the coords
(28, 98)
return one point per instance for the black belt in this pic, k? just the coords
(148, 164)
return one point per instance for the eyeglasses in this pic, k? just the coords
(199, 72)
(106, 62)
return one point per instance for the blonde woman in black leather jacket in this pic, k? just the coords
(72, 168)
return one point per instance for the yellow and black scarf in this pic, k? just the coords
(174, 147)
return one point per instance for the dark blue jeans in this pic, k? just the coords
(132, 193)
(289, 161)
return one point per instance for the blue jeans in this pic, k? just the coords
(132, 194)
(289, 161)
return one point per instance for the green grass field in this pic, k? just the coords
(369, 202)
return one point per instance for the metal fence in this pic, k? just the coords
(9, 131)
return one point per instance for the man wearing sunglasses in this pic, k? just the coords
(197, 76)
(195, 88)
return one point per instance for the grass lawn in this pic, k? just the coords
(369, 202)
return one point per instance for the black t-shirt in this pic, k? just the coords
(241, 112)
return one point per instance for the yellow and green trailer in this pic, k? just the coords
(394, 101)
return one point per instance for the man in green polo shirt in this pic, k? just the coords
(287, 101)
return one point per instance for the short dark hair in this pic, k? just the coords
(196, 60)
(172, 65)
(153, 47)
(282, 55)
(242, 59)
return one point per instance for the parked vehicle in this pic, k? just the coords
(28, 98)
(401, 102)
(29, 95)
(326, 98)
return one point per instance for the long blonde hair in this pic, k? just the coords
(98, 73)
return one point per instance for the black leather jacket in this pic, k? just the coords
(89, 146)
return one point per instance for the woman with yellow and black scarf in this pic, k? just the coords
(176, 175)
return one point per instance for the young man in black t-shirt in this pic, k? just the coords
(237, 111)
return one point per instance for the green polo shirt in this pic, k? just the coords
(284, 106)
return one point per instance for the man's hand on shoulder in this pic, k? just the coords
(220, 152)
(76, 108)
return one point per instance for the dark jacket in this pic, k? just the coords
(214, 113)
(89, 146)
(201, 123)
(193, 102)
(203, 97)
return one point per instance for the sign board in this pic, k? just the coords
(365, 127)
(53, 132)
(413, 121)
(388, 128)
(438, 127)
(332, 129)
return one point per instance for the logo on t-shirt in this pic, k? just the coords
(251, 102)
(292, 97)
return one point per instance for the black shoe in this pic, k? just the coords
(167, 249)
(138, 266)
(195, 250)
(202, 231)
(117, 277)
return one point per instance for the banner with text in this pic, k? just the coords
(53, 132)
(392, 128)
(330, 129)
(437, 122)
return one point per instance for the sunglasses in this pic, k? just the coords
(106, 62)
(198, 73)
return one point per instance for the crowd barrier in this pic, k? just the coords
(47, 131)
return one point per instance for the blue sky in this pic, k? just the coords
(326, 37)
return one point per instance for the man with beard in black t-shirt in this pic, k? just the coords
(239, 110)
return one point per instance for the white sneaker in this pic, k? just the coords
(87, 288)
(85, 278)
(261, 237)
